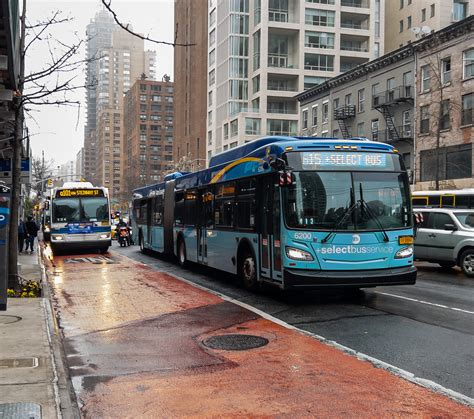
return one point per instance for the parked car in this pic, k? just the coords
(446, 236)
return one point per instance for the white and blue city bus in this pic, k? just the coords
(80, 218)
(296, 212)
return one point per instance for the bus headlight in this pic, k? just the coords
(406, 252)
(57, 238)
(105, 236)
(47, 230)
(297, 254)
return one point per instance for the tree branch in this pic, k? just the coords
(108, 6)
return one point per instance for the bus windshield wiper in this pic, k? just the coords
(375, 218)
(339, 223)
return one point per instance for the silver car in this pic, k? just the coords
(446, 236)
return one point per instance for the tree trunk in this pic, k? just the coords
(15, 200)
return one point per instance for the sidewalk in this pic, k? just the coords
(28, 377)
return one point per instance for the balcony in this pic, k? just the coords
(280, 61)
(355, 3)
(404, 133)
(278, 84)
(344, 112)
(361, 47)
(351, 20)
(399, 94)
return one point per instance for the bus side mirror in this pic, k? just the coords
(278, 164)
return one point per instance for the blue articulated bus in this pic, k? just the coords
(296, 212)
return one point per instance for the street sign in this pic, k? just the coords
(6, 170)
(4, 220)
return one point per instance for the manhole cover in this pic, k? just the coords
(19, 362)
(235, 342)
(6, 319)
(20, 411)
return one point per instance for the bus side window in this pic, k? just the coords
(207, 208)
(245, 205)
(179, 208)
(190, 208)
(224, 205)
(434, 201)
(421, 201)
(143, 211)
(158, 211)
(462, 201)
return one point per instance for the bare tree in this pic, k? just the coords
(438, 114)
(41, 170)
(126, 27)
(51, 85)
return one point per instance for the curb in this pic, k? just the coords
(66, 401)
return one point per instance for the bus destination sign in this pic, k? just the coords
(317, 160)
(74, 193)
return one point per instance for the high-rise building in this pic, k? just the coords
(260, 53)
(148, 133)
(67, 171)
(190, 71)
(99, 35)
(408, 20)
(80, 163)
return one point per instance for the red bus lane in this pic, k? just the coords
(142, 343)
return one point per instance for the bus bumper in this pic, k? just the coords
(81, 245)
(302, 278)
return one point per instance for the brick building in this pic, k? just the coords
(148, 134)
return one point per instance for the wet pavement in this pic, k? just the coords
(134, 342)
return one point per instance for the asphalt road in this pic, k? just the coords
(426, 329)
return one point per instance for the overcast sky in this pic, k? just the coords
(59, 131)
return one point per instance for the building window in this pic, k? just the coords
(454, 162)
(425, 78)
(256, 84)
(348, 99)
(432, 10)
(468, 63)
(361, 100)
(212, 17)
(319, 17)
(212, 57)
(460, 10)
(252, 126)
(408, 22)
(446, 70)
(234, 128)
(467, 114)
(226, 131)
(444, 121)
(209, 137)
(424, 119)
(209, 118)
(325, 112)
(401, 4)
(305, 119)
(142, 98)
(212, 38)
(212, 77)
(360, 129)
(209, 98)
(314, 116)
(401, 26)
(423, 15)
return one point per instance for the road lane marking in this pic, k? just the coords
(425, 302)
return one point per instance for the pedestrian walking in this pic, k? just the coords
(31, 231)
(21, 235)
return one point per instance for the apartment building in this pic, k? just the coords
(99, 35)
(404, 98)
(260, 52)
(80, 163)
(408, 20)
(118, 67)
(190, 73)
(148, 133)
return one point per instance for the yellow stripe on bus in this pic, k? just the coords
(233, 164)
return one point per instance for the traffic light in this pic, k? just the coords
(49, 182)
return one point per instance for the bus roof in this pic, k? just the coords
(260, 149)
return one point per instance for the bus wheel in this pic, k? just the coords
(248, 271)
(181, 253)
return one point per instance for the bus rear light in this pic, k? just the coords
(298, 254)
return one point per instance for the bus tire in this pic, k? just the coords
(247, 270)
(466, 262)
(181, 252)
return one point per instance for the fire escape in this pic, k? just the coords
(341, 114)
(385, 102)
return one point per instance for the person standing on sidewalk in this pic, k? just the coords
(32, 231)
(21, 235)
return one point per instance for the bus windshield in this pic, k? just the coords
(320, 201)
(71, 210)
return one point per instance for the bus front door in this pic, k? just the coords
(204, 225)
(149, 220)
(270, 243)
